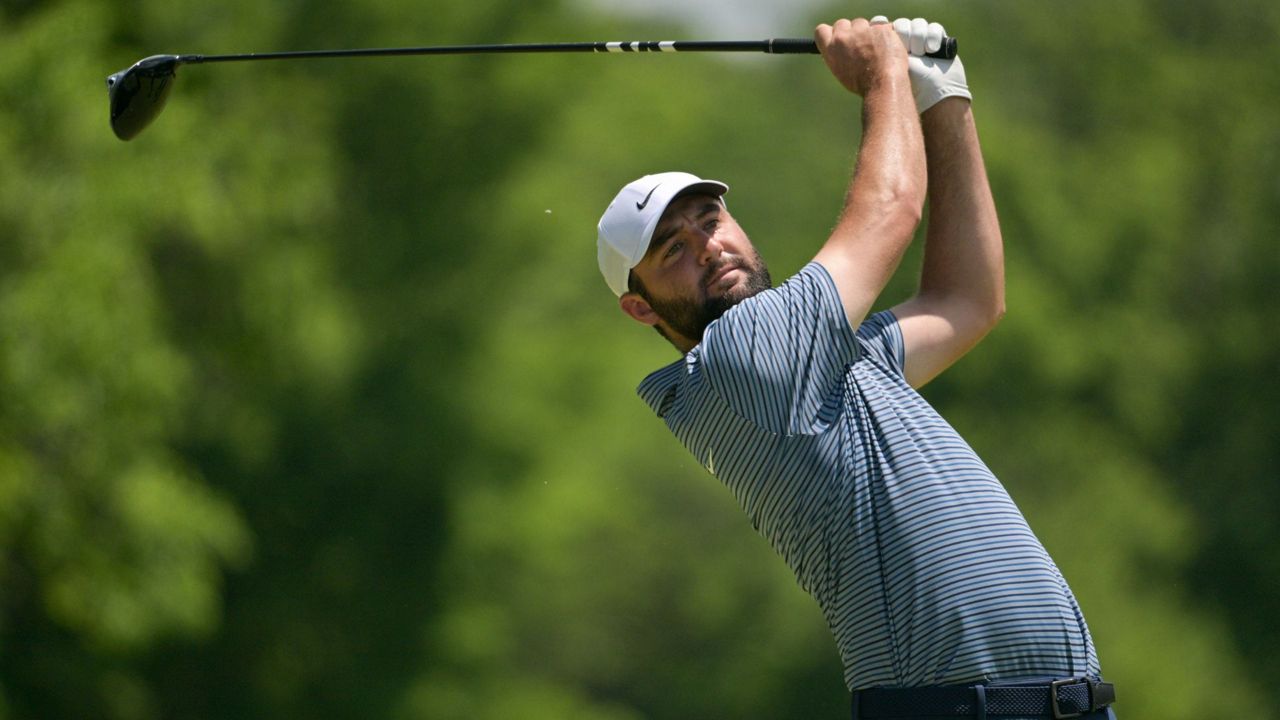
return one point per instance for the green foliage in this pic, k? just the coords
(93, 387)
(312, 403)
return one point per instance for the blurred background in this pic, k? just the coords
(314, 405)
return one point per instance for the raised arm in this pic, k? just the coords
(961, 295)
(886, 196)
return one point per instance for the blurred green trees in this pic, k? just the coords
(312, 403)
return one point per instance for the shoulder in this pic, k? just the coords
(807, 300)
(776, 358)
(660, 388)
(880, 336)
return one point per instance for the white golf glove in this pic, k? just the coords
(932, 79)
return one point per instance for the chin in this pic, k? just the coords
(717, 306)
(747, 288)
(746, 291)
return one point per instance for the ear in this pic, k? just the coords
(638, 308)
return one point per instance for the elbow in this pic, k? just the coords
(986, 300)
(993, 313)
(997, 314)
(997, 306)
(977, 316)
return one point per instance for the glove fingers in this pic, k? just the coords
(879, 20)
(919, 29)
(918, 35)
(902, 26)
(933, 41)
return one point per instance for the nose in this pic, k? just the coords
(711, 248)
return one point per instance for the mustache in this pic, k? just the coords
(713, 270)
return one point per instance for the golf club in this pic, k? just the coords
(138, 93)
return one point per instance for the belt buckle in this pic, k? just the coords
(1053, 697)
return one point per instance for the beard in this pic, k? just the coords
(690, 316)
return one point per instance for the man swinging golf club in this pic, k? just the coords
(942, 601)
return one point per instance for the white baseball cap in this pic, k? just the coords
(627, 226)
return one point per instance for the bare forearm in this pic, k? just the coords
(964, 257)
(890, 178)
(884, 201)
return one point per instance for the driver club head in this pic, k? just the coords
(138, 94)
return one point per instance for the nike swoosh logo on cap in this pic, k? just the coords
(640, 205)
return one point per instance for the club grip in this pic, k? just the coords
(805, 46)
(948, 50)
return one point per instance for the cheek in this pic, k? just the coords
(734, 238)
(684, 281)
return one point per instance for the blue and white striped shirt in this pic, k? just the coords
(925, 569)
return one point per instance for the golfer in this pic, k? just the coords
(942, 601)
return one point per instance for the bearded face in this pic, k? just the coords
(724, 283)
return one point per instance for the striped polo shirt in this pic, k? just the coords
(926, 571)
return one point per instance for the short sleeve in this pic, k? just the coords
(779, 359)
(881, 338)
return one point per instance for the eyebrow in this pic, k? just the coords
(662, 238)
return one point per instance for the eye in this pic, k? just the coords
(674, 249)
(712, 224)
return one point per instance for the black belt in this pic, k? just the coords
(1060, 699)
